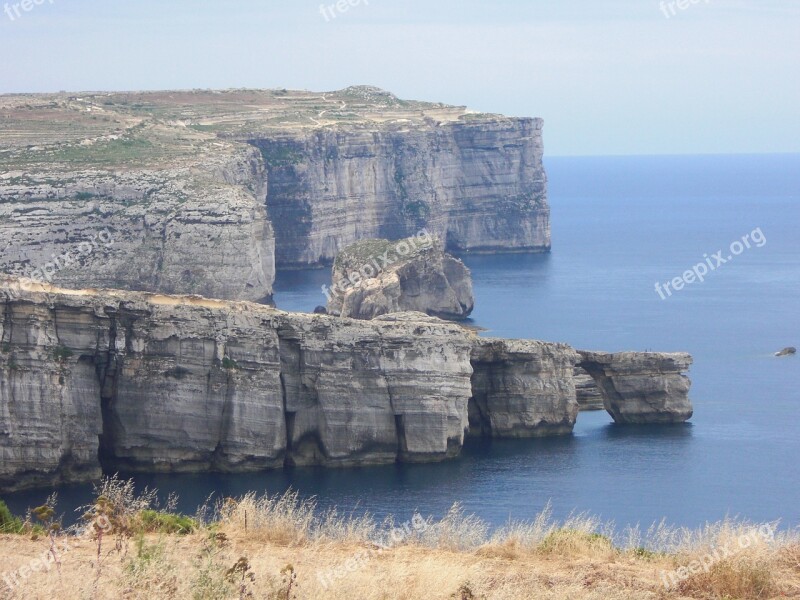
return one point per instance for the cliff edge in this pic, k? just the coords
(209, 192)
(117, 380)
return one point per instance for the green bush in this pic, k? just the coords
(158, 522)
(62, 354)
(8, 522)
(230, 364)
(645, 554)
(562, 540)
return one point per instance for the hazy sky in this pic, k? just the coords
(608, 76)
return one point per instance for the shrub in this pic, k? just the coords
(160, 522)
(230, 364)
(8, 522)
(150, 571)
(733, 579)
(572, 541)
(62, 354)
(644, 553)
(210, 582)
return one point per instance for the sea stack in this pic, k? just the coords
(378, 277)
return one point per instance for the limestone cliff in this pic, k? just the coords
(153, 208)
(478, 184)
(396, 389)
(377, 277)
(589, 395)
(642, 388)
(170, 383)
(179, 192)
(136, 381)
(522, 388)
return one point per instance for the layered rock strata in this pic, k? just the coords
(196, 223)
(478, 184)
(165, 383)
(522, 388)
(589, 395)
(377, 277)
(642, 387)
(145, 382)
(179, 192)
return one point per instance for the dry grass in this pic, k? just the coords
(281, 547)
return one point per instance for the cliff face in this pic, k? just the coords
(137, 381)
(178, 192)
(162, 383)
(642, 388)
(50, 417)
(589, 395)
(478, 184)
(189, 386)
(190, 228)
(417, 277)
(394, 390)
(522, 388)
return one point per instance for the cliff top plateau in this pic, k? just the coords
(170, 128)
(209, 192)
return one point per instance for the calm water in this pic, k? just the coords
(619, 225)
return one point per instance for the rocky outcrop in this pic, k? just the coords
(169, 383)
(642, 388)
(189, 227)
(378, 277)
(178, 192)
(394, 390)
(589, 395)
(479, 184)
(145, 382)
(522, 388)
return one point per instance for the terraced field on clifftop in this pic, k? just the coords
(141, 129)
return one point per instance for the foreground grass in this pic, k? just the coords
(282, 548)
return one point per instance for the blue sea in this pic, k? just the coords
(620, 225)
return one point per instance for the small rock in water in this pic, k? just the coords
(320, 310)
(787, 352)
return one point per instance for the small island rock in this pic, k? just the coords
(378, 277)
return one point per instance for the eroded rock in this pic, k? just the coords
(590, 397)
(642, 387)
(147, 382)
(183, 192)
(378, 277)
(522, 388)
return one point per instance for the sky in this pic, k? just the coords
(609, 77)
